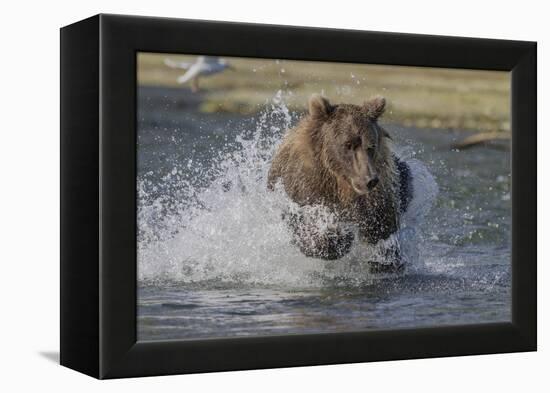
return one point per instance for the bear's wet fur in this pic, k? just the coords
(338, 156)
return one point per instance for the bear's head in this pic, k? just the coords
(353, 147)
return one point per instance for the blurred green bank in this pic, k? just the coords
(419, 97)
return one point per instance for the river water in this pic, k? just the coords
(215, 258)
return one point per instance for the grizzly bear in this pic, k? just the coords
(339, 157)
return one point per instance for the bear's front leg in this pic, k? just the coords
(387, 256)
(328, 243)
(391, 260)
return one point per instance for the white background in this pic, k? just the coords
(29, 154)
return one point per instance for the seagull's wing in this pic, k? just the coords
(193, 72)
(177, 64)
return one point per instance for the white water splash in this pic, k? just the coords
(231, 230)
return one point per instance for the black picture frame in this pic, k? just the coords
(98, 195)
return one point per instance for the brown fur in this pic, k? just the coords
(326, 158)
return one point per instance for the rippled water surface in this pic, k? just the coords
(215, 259)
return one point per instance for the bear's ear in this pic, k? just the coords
(375, 107)
(319, 107)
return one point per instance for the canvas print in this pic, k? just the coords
(280, 197)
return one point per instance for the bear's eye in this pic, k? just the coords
(349, 145)
(371, 149)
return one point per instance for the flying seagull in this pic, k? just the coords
(203, 66)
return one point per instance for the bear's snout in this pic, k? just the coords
(363, 185)
(372, 182)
